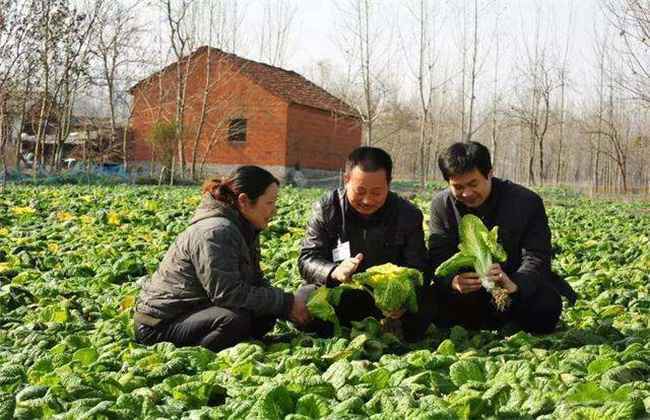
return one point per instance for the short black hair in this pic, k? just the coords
(460, 158)
(370, 159)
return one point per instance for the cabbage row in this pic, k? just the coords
(69, 258)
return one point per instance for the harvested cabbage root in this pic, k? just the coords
(501, 298)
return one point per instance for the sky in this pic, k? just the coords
(318, 26)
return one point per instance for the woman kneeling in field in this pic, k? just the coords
(209, 290)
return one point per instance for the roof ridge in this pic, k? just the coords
(274, 79)
(249, 59)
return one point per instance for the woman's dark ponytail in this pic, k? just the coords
(250, 180)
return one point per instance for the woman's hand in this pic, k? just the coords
(299, 314)
(397, 314)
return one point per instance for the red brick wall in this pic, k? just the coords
(320, 140)
(231, 95)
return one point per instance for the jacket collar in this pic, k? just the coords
(209, 207)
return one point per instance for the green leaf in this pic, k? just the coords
(446, 348)
(611, 311)
(458, 334)
(349, 406)
(338, 373)
(312, 406)
(601, 365)
(467, 370)
(334, 295)
(276, 404)
(491, 241)
(630, 372)
(55, 313)
(379, 378)
(455, 263)
(86, 356)
(420, 358)
(319, 306)
(588, 392)
(468, 404)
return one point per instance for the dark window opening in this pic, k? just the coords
(237, 130)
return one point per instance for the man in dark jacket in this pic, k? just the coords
(359, 226)
(523, 231)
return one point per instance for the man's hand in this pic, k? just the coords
(299, 314)
(500, 278)
(395, 314)
(343, 272)
(466, 283)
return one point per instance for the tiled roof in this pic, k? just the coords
(285, 84)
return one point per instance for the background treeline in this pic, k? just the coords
(555, 104)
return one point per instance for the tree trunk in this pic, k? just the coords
(112, 111)
(531, 163)
(558, 170)
(172, 169)
(125, 138)
(542, 176)
(3, 140)
(40, 132)
(204, 105)
(364, 40)
(422, 150)
(495, 97)
(472, 97)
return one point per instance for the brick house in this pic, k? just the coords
(239, 111)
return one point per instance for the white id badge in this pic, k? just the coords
(341, 252)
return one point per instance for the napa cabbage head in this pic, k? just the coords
(392, 287)
(478, 249)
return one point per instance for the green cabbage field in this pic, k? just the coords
(70, 257)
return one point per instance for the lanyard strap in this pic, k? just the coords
(343, 237)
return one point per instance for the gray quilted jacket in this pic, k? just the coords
(215, 261)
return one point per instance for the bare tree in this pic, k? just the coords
(617, 142)
(74, 70)
(182, 40)
(601, 50)
(494, 132)
(14, 21)
(190, 22)
(631, 18)
(14, 29)
(471, 63)
(275, 32)
(612, 124)
(115, 46)
(563, 82)
(423, 67)
(367, 40)
(534, 112)
(220, 17)
(533, 106)
(58, 39)
(472, 94)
